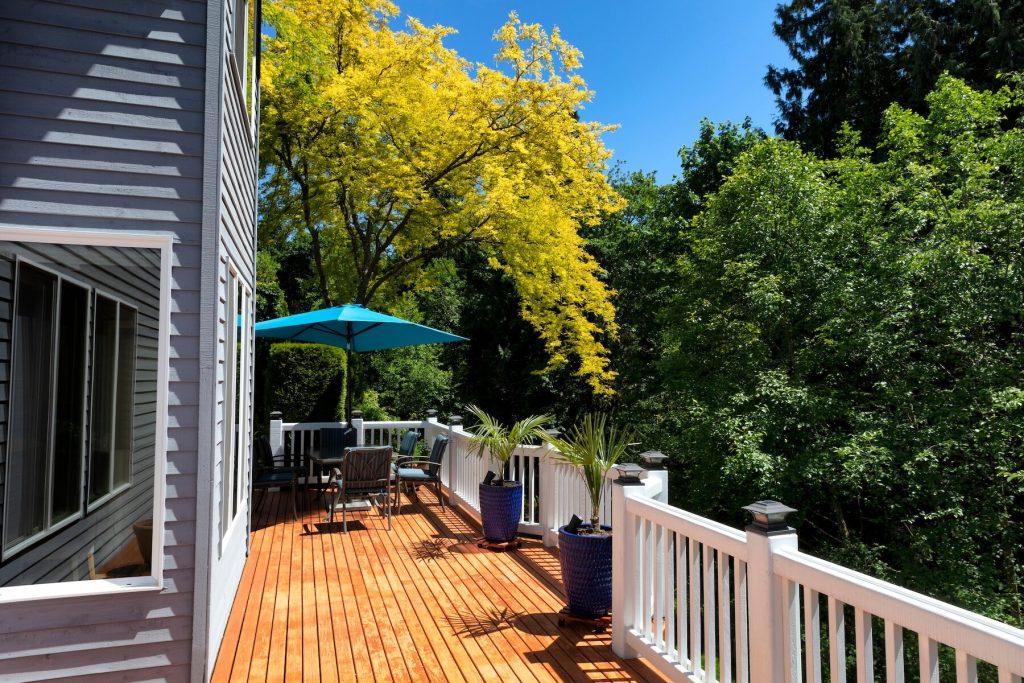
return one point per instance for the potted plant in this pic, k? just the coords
(585, 552)
(501, 501)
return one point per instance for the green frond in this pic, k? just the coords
(593, 447)
(491, 437)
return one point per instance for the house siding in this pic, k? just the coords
(103, 126)
(236, 248)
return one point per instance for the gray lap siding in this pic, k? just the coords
(102, 128)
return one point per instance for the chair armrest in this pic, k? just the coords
(417, 463)
(404, 460)
(290, 460)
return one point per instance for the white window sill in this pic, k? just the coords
(80, 589)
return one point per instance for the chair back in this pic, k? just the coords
(262, 454)
(366, 469)
(437, 455)
(408, 444)
(334, 440)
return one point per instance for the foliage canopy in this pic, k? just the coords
(850, 334)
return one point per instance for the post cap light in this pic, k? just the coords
(769, 516)
(629, 474)
(655, 459)
(431, 413)
(455, 420)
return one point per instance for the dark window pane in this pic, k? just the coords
(125, 414)
(69, 413)
(32, 386)
(104, 364)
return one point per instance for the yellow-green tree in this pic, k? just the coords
(389, 150)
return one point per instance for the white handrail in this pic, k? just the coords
(687, 591)
(971, 634)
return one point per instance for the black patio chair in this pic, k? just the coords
(416, 472)
(364, 471)
(269, 471)
(408, 445)
(333, 442)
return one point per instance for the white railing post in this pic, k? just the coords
(654, 464)
(455, 461)
(357, 422)
(430, 428)
(276, 433)
(625, 578)
(548, 508)
(766, 536)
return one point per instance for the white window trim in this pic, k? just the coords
(164, 242)
(236, 440)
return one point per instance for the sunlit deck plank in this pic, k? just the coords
(418, 603)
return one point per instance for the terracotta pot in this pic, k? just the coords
(144, 535)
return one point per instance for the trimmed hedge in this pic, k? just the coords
(306, 382)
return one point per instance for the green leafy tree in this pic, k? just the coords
(850, 335)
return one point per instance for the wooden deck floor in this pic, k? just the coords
(418, 603)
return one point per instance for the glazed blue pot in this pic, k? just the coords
(586, 572)
(501, 507)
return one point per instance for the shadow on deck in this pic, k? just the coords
(418, 603)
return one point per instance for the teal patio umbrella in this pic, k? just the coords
(354, 328)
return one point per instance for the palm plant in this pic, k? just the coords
(492, 437)
(593, 447)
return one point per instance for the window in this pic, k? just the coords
(113, 398)
(84, 356)
(47, 420)
(237, 388)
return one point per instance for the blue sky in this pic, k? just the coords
(657, 66)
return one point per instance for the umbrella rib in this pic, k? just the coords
(366, 329)
(320, 327)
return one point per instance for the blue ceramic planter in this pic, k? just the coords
(586, 572)
(501, 507)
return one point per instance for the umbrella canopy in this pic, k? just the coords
(353, 328)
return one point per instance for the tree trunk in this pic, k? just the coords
(319, 262)
(314, 234)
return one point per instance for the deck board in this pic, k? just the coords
(418, 603)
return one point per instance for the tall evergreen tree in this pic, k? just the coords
(856, 57)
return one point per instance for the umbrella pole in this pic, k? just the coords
(348, 385)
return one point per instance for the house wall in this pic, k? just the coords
(108, 528)
(228, 539)
(103, 126)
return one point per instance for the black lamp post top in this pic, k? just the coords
(769, 515)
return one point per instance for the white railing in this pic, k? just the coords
(304, 437)
(808, 581)
(552, 491)
(704, 602)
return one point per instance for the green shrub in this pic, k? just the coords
(306, 382)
